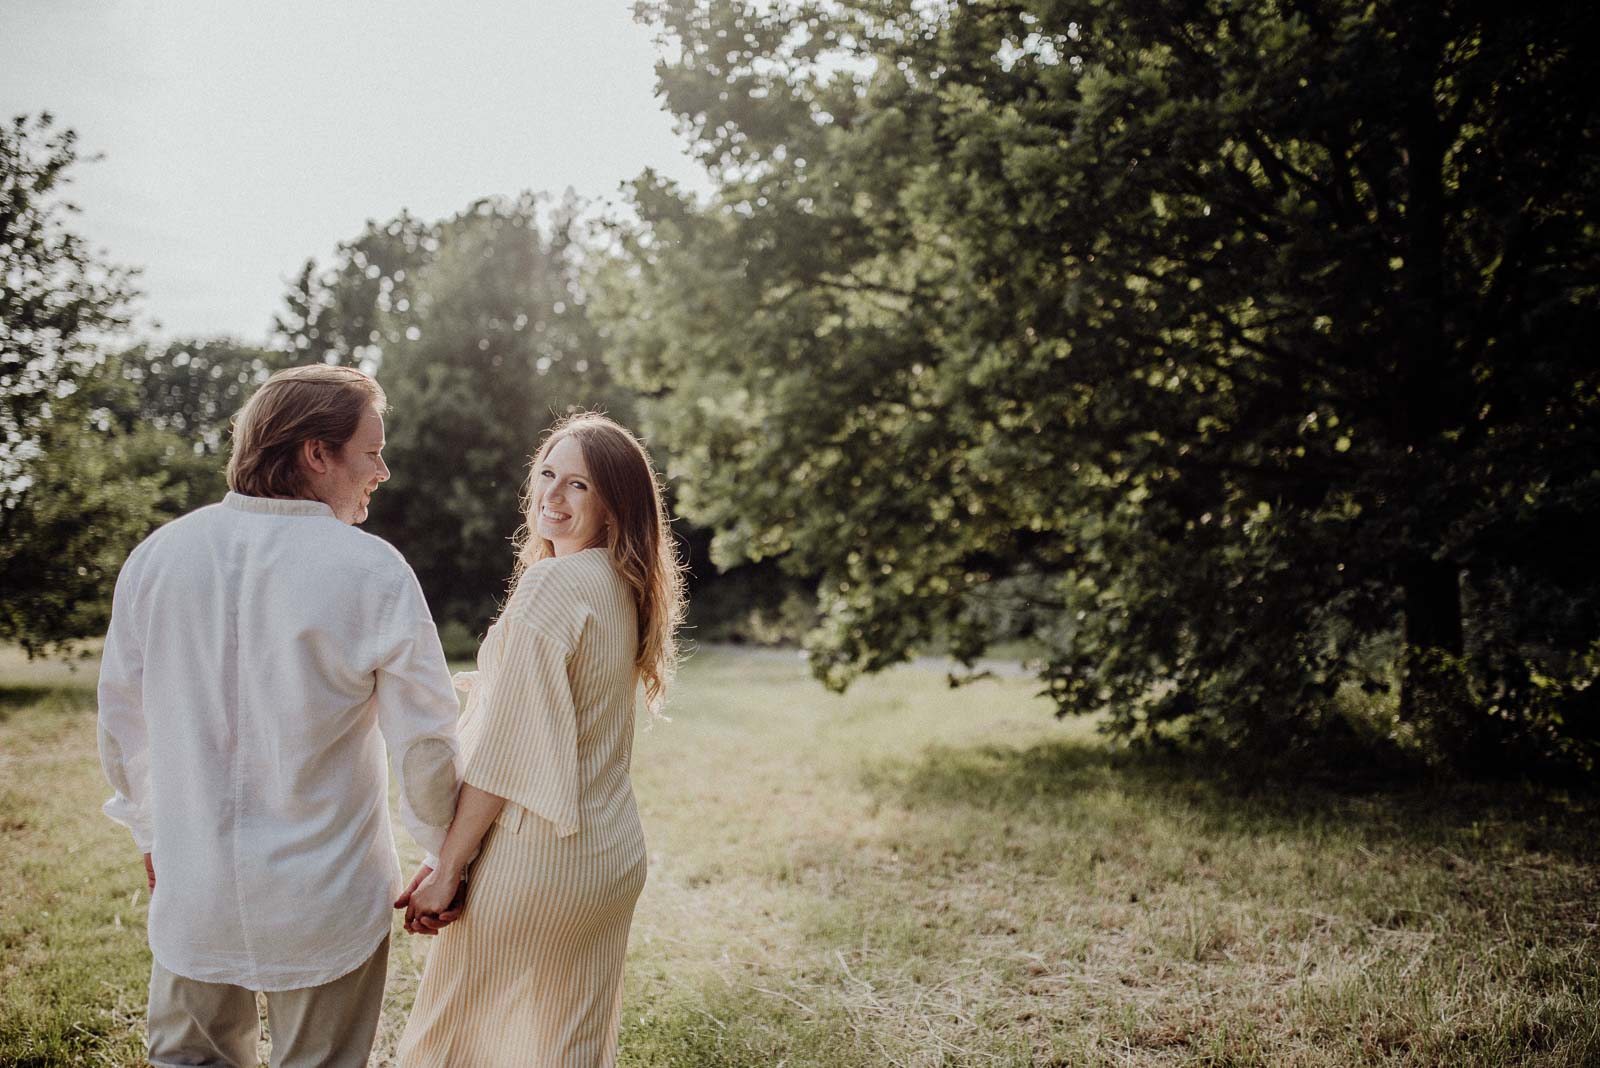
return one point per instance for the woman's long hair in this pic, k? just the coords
(639, 539)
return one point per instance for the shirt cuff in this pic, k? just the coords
(138, 824)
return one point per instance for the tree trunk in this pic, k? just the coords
(1427, 397)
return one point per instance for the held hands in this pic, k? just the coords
(436, 898)
(150, 872)
(433, 900)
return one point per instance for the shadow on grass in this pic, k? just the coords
(47, 699)
(1053, 779)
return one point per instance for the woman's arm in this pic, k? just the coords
(476, 811)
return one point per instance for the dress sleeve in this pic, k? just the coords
(527, 744)
(527, 750)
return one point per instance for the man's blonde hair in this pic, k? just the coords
(314, 403)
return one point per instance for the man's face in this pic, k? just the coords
(353, 471)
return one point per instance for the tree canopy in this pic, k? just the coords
(1239, 350)
(71, 503)
(475, 325)
(477, 329)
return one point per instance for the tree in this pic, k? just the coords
(477, 329)
(343, 314)
(69, 507)
(1214, 342)
(178, 400)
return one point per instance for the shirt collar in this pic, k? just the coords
(274, 506)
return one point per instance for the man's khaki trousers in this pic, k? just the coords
(215, 1024)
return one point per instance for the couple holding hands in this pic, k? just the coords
(264, 655)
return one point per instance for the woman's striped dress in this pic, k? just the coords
(531, 975)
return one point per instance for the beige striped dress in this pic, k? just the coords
(531, 975)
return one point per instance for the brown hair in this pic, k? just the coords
(640, 538)
(318, 402)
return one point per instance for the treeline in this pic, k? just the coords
(1237, 356)
(476, 325)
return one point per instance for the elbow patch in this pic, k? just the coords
(429, 768)
(111, 760)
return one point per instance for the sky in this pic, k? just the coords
(242, 138)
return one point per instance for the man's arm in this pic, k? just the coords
(123, 735)
(417, 713)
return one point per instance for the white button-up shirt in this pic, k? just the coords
(261, 653)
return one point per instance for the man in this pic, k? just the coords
(261, 653)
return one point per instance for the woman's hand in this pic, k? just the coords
(416, 880)
(433, 900)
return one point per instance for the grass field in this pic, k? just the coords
(914, 875)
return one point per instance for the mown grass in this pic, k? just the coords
(73, 963)
(915, 875)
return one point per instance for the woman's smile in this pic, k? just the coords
(570, 516)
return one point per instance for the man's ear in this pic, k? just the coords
(315, 455)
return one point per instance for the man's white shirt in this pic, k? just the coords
(261, 654)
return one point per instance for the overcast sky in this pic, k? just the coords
(241, 138)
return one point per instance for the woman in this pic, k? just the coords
(531, 973)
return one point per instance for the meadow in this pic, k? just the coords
(916, 875)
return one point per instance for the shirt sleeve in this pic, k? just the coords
(123, 735)
(527, 745)
(417, 713)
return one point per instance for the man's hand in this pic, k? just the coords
(433, 901)
(419, 924)
(150, 872)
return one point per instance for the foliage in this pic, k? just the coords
(195, 386)
(58, 300)
(70, 506)
(87, 503)
(180, 397)
(476, 327)
(1212, 342)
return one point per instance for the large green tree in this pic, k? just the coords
(72, 501)
(477, 328)
(1217, 343)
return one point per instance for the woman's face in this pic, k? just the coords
(567, 510)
